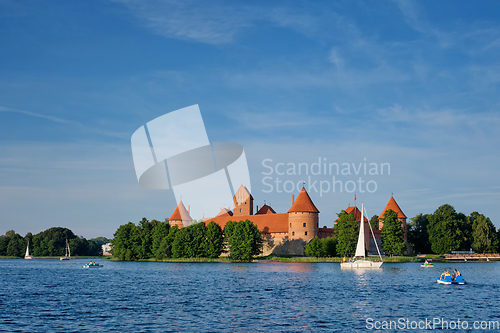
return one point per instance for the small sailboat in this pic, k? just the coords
(28, 255)
(67, 254)
(360, 249)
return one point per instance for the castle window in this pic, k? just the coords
(306, 233)
(241, 210)
(304, 225)
(290, 224)
(293, 233)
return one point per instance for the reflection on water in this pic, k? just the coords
(49, 295)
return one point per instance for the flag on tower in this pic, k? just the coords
(354, 197)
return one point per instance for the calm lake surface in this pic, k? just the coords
(56, 296)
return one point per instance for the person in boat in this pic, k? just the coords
(426, 262)
(445, 274)
(455, 274)
(344, 259)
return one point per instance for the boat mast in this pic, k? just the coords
(375, 241)
(360, 248)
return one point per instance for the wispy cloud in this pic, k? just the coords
(219, 23)
(34, 114)
(192, 20)
(70, 122)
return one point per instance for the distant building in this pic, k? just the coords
(106, 249)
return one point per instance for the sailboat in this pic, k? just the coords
(361, 251)
(28, 255)
(67, 254)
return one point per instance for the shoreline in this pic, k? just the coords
(291, 259)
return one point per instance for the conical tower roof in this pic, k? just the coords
(242, 195)
(303, 203)
(180, 213)
(392, 204)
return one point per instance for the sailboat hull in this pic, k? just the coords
(361, 264)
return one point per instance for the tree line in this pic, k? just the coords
(447, 230)
(158, 240)
(441, 232)
(50, 243)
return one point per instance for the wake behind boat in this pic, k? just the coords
(360, 249)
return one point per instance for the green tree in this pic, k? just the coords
(79, 246)
(418, 236)
(165, 249)
(445, 233)
(16, 246)
(125, 242)
(315, 248)
(144, 241)
(347, 230)
(214, 243)
(4, 241)
(159, 233)
(374, 222)
(244, 240)
(51, 242)
(392, 234)
(330, 246)
(484, 235)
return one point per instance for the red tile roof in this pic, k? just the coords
(303, 203)
(265, 210)
(267, 223)
(225, 212)
(180, 213)
(356, 212)
(392, 204)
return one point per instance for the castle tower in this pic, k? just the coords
(303, 218)
(392, 204)
(242, 202)
(180, 217)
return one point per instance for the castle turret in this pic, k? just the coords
(392, 204)
(303, 218)
(242, 202)
(180, 216)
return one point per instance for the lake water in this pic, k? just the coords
(56, 296)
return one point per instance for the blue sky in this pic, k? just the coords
(412, 84)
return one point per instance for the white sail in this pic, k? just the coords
(360, 248)
(27, 255)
